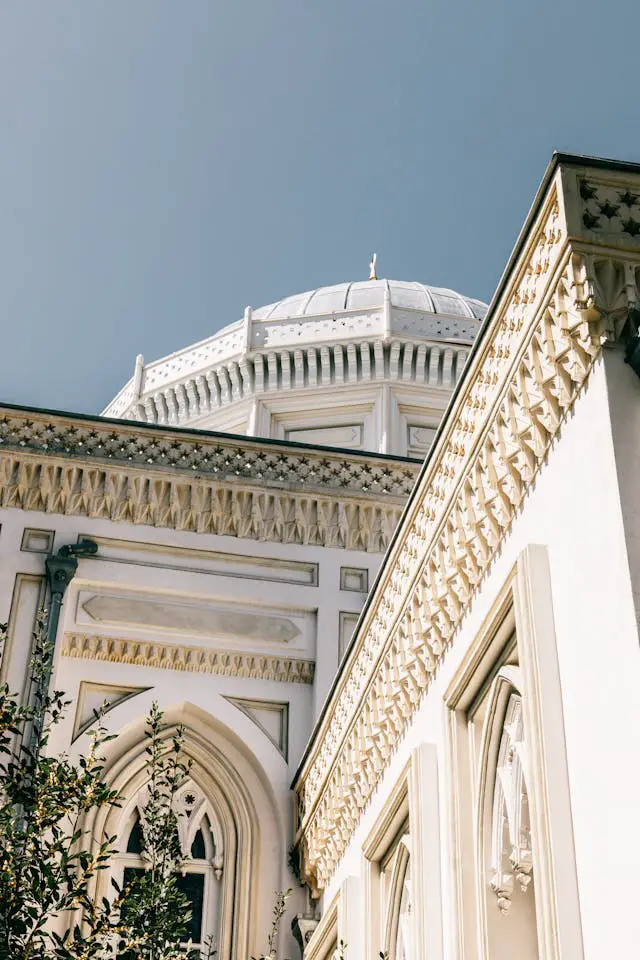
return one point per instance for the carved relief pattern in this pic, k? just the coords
(511, 854)
(190, 659)
(610, 208)
(122, 401)
(282, 333)
(62, 465)
(535, 363)
(409, 323)
(252, 461)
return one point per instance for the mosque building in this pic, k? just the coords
(376, 547)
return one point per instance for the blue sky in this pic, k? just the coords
(163, 163)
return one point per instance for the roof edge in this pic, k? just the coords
(196, 433)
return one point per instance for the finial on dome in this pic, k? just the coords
(372, 268)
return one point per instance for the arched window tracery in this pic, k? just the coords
(200, 840)
(241, 821)
(511, 856)
(504, 830)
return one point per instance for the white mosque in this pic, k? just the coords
(367, 545)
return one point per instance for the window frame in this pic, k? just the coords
(203, 821)
(519, 623)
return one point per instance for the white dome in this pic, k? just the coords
(366, 365)
(370, 294)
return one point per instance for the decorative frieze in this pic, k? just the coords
(543, 339)
(208, 484)
(190, 659)
(205, 455)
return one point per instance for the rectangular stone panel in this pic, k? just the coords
(37, 541)
(204, 561)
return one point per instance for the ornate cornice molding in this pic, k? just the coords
(190, 659)
(228, 486)
(199, 396)
(259, 355)
(543, 337)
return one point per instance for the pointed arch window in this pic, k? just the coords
(511, 856)
(135, 840)
(505, 856)
(201, 843)
(398, 907)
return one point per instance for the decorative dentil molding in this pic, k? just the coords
(544, 336)
(228, 486)
(189, 659)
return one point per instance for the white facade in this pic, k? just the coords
(361, 366)
(492, 730)
(229, 576)
(464, 770)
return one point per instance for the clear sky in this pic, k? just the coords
(164, 163)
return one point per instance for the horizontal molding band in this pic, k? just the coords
(190, 659)
(237, 487)
(303, 368)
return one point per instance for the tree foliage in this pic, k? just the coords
(154, 909)
(49, 862)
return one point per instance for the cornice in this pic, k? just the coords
(258, 354)
(189, 659)
(187, 392)
(208, 483)
(542, 338)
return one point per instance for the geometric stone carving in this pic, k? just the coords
(63, 465)
(272, 717)
(539, 348)
(101, 697)
(240, 461)
(169, 656)
(190, 619)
